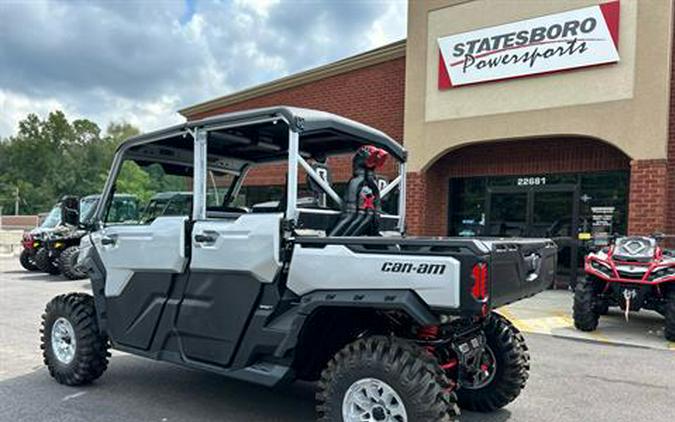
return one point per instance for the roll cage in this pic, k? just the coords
(241, 140)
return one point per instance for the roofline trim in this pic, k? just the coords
(379, 55)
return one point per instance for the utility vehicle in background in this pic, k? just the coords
(60, 246)
(392, 327)
(166, 204)
(632, 273)
(32, 241)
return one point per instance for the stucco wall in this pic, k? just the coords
(625, 104)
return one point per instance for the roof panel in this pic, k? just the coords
(312, 123)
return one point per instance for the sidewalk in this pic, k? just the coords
(550, 313)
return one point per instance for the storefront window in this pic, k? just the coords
(546, 199)
(603, 198)
(542, 206)
(467, 206)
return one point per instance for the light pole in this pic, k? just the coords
(16, 201)
(17, 197)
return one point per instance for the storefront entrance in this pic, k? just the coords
(538, 211)
(564, 207)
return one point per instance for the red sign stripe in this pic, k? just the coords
(444, 81)
(611, 12)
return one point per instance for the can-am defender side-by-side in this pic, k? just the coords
(392, 327)
(33, 240)
(633, 273)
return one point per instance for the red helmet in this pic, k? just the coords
(370, 157)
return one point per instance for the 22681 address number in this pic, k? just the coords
(531, 181)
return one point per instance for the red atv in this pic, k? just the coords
(632, 273)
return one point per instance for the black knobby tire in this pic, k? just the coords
(27, 261)
(412, 372)
(586, 315)
(44, 262)
(68, 263)
(670, 314)
(91, 351)
(512, 366)
(602, 307)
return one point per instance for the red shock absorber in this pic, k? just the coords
(428, 332)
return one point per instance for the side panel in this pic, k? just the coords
(249, 244)
(134, 314)
(231, 261)
(156, 247)
(141, 264)
(331, 267)
(213, 314)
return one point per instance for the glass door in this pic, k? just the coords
(553, 217)
(507, 214)
(538, 212)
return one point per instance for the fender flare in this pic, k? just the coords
(401, 300)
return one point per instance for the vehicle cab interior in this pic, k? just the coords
(166, 164)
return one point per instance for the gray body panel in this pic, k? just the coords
(156, 247)
(336, 267)
(248, 244)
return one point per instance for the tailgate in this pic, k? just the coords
(520, 268)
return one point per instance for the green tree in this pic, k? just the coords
(51, 157)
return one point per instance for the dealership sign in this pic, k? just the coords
(553, 43)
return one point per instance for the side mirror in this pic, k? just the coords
(70, 210)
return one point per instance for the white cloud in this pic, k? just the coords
(16, 106)
(141, 61)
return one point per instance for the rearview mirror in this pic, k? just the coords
(70, 210)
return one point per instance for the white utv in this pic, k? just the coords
(325, 288)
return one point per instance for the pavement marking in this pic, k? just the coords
(596, 335)
(74, 396)
(520, 324)
(559, 323)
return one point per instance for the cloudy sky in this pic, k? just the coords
(141, 61)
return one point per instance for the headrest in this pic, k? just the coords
(370, 157)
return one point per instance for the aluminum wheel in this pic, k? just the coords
(64, 344)
(372, 400)
(483, 374)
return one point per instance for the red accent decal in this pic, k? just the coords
(368, 202)
(444, 81)
(611, 12)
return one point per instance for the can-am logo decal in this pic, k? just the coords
(409, 267)
(552, 43)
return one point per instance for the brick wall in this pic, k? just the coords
(526, 157)
(19, 221)
(647, 208)
(372, 95)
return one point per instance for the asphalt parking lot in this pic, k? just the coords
(572, 379)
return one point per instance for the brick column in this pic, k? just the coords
(416, 193)
(426, 204)
(648, 203)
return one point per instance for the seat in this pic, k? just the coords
(361, 207)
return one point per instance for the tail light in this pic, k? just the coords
(479, 290)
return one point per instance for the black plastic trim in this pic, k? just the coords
(403, 300)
